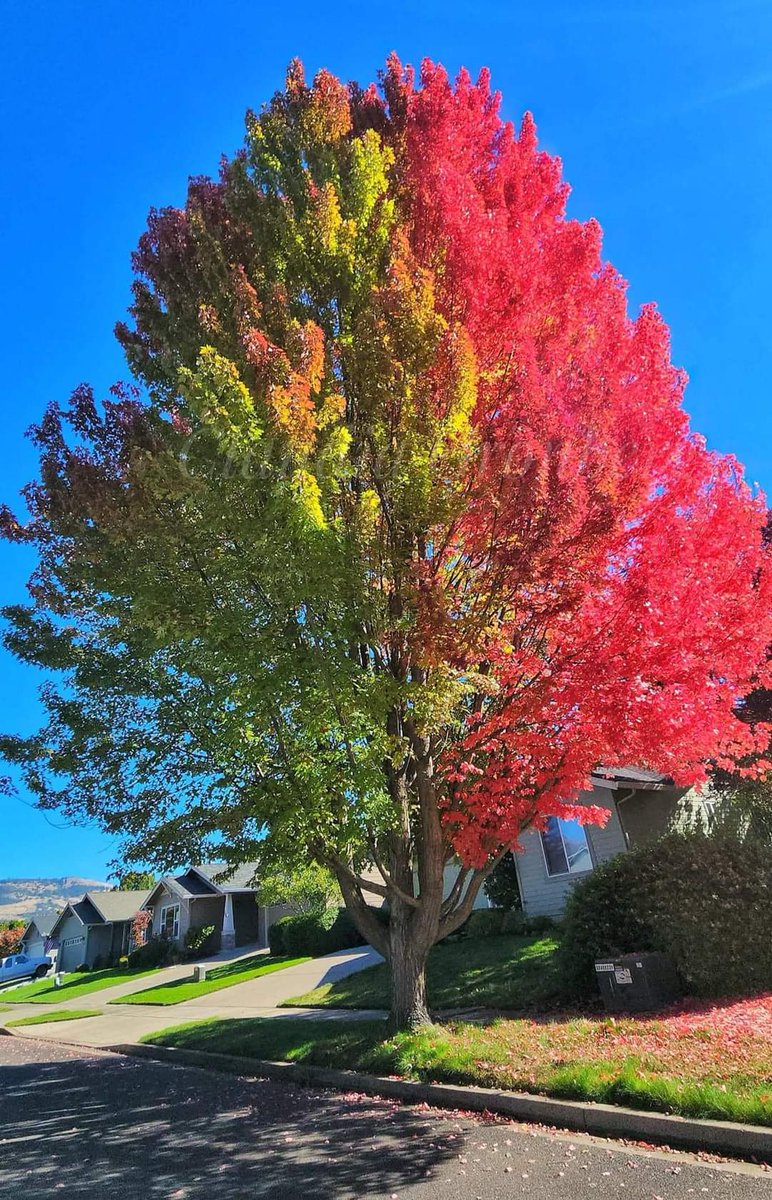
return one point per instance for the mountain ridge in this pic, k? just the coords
(19, 898)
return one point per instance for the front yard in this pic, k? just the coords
(64, 1014)
(43, 991)
(509, 973)
(712, 1061)
(217, 978)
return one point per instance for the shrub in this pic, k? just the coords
(156, 952)
(513, 922)
(484, 922)
(532, 926)
(123, 962)
(9, 941)
(200, 940)
(308, 933)
(276, 937)
(502, 886)
(320, 933)
(701, 900)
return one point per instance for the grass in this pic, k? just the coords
(60, 1014)
(510, 973)
(217, 978)
(642, 1063)
(42, 991)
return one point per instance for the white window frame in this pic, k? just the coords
(175, 908)
(569, 872)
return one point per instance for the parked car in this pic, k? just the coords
(23, 966)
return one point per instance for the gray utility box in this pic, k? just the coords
(637, 982)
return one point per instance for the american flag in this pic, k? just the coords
(50, 944)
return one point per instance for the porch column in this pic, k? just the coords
(228, 939)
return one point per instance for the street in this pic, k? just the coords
(96, 1125)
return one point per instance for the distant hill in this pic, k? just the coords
(20, 897)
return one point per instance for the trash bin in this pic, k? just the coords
(637, 982)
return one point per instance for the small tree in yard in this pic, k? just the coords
(406, 533)
(502, 886)
(134, 881)
(310, 889)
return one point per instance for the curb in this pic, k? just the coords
(601, 1120)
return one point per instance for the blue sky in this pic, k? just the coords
(660, 111)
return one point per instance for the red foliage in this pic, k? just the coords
(139, 928)
(9, 941)
(626, 558)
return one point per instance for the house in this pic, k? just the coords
(212, 894)
(642, 805)
(95, 929)
(36, 939)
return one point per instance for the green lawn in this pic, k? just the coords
(79, 983)
(648, 1064)
(216, 979)
(60, 1014)
(509, 973)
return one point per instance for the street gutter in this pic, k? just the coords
(728, 1138)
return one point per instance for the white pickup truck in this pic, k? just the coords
(22, 966)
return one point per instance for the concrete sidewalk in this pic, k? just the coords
(258, 997)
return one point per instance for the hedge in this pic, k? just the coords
(316, 933)
(704, 901)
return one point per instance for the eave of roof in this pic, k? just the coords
(637, 778)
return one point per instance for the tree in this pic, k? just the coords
(310, 889)
(134, 881)
(401, 531)
(10, 933)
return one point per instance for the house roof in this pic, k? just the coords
(117, 906)
(630, 777)
(43, 919)
(103, 908)
(204, 880)
(234, 879)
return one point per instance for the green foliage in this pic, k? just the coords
(276, 936)
(155, 952)
(305, 889)
(701, 900)
(502, 886)
(484, 922)
(200, 940)
(320, 933)
(135, 881)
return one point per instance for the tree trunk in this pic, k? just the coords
(407, 959)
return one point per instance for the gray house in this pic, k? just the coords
(97, 927)
(211, 894)
(642, 806)
(37, 939)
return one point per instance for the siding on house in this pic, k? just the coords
(73, 943)
(546, 895)
(165, 899)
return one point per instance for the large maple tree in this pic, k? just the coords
(403, 530)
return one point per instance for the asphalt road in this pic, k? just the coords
(89, 1124)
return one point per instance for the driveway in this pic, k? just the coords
(92, 1125)
(258, 997)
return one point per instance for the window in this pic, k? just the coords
(565, 847)
(170, 922)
